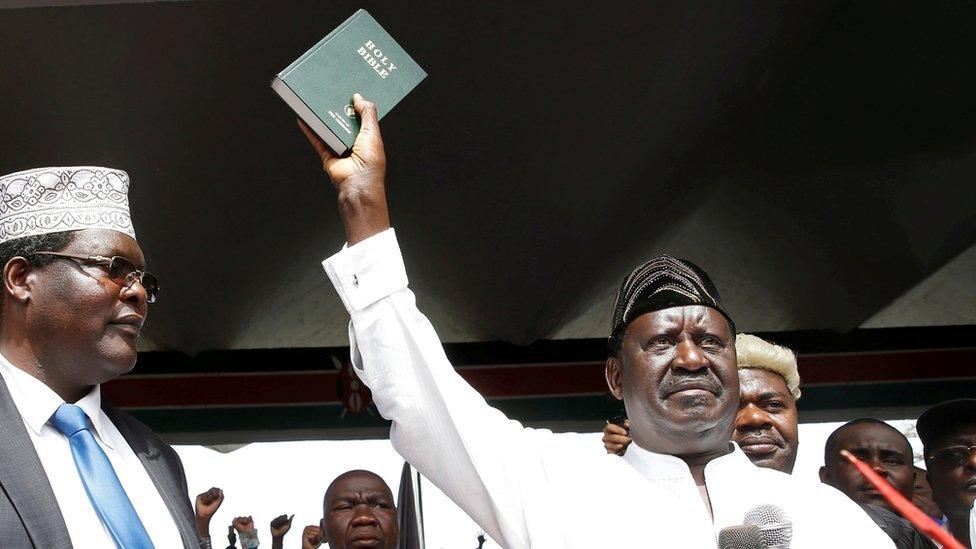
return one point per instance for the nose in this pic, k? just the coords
(364, 516)
(135, 294)
(752, 418)
(971, 462)
(689, 356)
(878, 467)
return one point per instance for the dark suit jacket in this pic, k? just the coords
(898, 529)
(29, 513)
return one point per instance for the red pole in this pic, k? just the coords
(907, 509)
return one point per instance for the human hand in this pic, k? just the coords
(616, 438)
(311, 537)
(359, 178)
(243, 524)
(280, 526)
(208, 502)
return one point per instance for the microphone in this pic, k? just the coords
(745, 536)
(774, 525)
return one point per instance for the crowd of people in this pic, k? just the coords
(704, 408)
(705, 454)
(766, 429)
(358, 510)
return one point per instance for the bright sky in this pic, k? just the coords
(265, 480)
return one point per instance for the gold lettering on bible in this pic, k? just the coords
(374, 58)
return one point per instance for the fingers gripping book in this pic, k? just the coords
(359, 56)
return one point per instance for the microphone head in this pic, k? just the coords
(745, 536)
(773, 523)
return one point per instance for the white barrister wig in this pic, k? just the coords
(753, 352)
(50, 200)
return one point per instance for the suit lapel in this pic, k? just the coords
(151, 456)
(24, 480)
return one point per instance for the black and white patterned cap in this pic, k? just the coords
(50, 200)
(662, 283)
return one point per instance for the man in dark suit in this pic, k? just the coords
(74, 470)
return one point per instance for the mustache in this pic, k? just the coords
(705, 380)
(747, 436)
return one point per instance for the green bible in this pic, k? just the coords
(358, 56)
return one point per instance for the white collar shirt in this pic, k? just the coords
(820, 515)
(534, 488)
(36, 403)
(972, 526)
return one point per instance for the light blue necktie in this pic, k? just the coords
(101, 483)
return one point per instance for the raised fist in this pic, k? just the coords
(280, 525)
(311, 537)
(243, 524)
(208, 502)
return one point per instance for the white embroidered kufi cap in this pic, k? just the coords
(50, 200)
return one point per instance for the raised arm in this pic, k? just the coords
(206, 505)
(441, 425)
(280, 526)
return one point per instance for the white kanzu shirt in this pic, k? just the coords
(972, 526)
(534, 488)
(36, 403)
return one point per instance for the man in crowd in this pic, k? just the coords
(766, 423)
(672, 362)
(948, 433)
(922, 496)
(74, 469)
(766, 426)
(359, 511)
(887, 451)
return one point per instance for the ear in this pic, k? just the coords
(613, 373)
(15, 279)
(823, 475)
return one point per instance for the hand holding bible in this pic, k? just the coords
(359, 178)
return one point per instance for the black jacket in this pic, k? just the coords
(898, 529)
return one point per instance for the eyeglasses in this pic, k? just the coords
(951, 457)
(120, 271)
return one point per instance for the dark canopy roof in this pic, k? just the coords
(817, 160)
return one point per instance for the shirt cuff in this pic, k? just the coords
(368, 271)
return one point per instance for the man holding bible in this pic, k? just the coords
(672, 362)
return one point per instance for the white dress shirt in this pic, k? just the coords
(534, 488)
(36, 403)
(972, 526)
